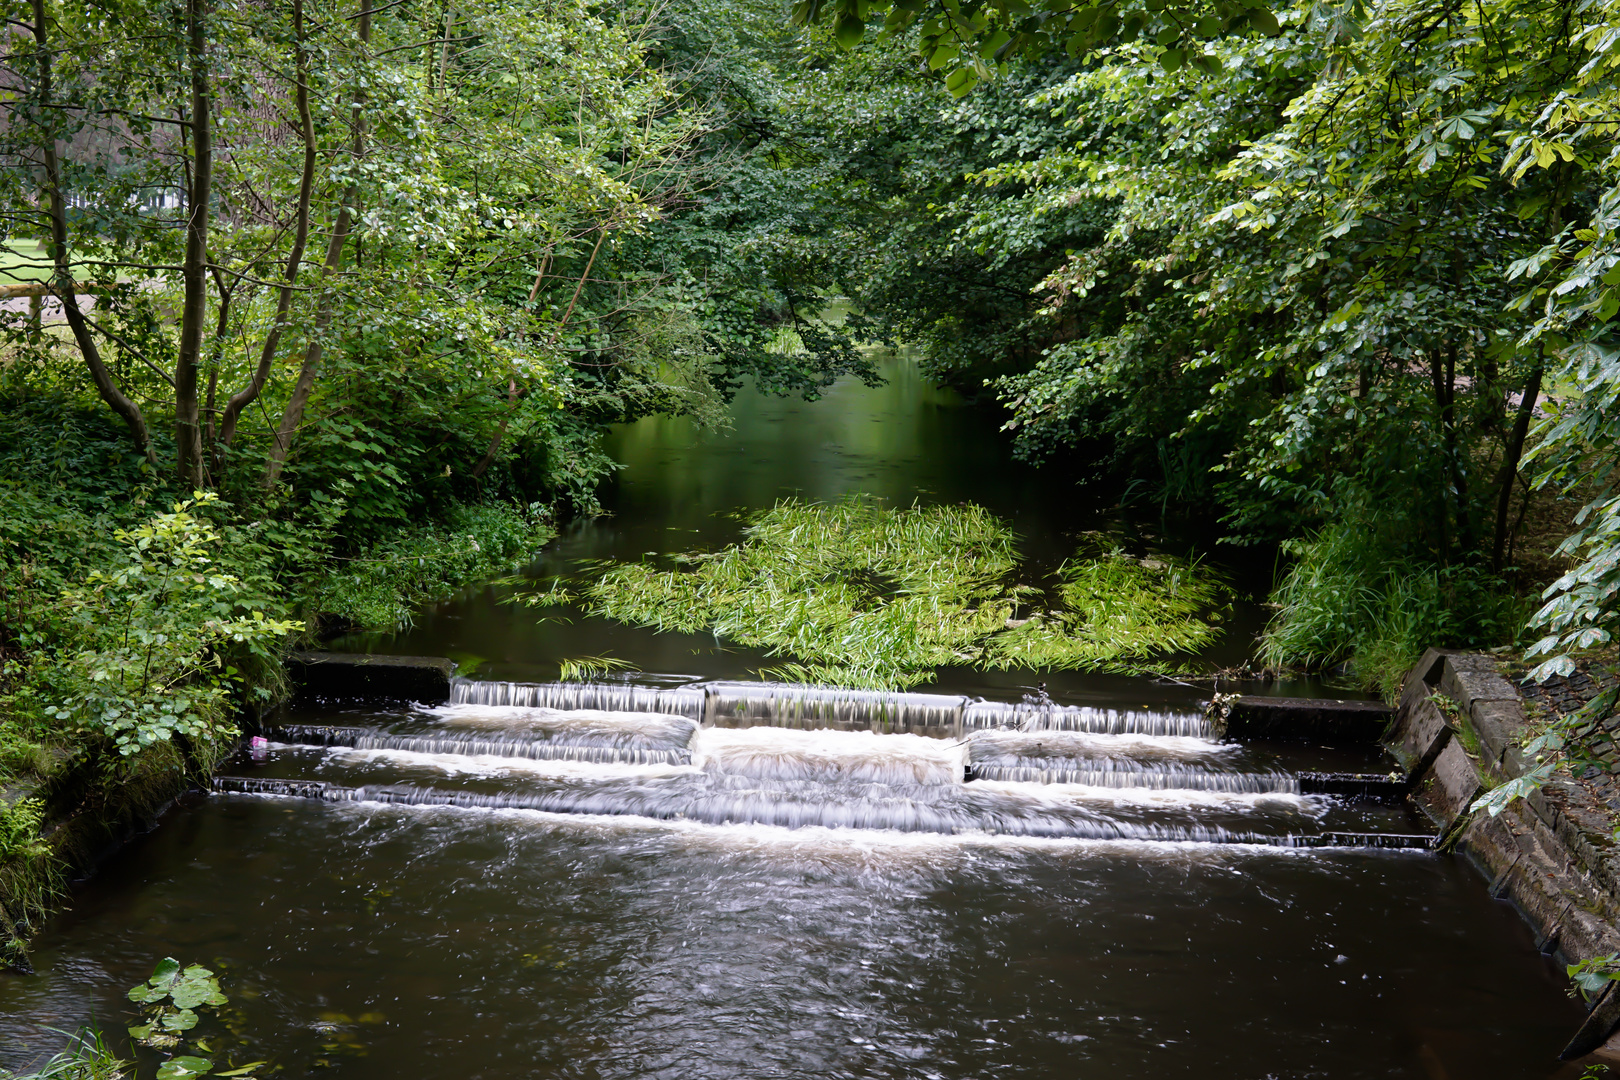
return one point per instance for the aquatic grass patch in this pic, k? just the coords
(866, 595)
(1114, 607)
(587, 668)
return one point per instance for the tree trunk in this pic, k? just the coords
(194, 267)
(222, 324)
(293, 415)
(306, 187)
(1443, 374)
(62, 276)
(1512, 453)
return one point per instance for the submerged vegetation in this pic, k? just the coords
(865, 595)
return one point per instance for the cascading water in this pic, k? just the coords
(798, 756)
(606, 697)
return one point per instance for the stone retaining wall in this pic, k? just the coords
(1456, 733)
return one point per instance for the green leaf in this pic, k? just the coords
(1264, 21)
(1172, 59)
(848, 29)
(140, 1032)
(181, 1067)
(244, 1070)
(165, 971)
(184, 1020)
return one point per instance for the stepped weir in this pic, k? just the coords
(789, 756)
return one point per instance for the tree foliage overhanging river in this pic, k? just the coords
(441, 942)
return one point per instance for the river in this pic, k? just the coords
(646, 895)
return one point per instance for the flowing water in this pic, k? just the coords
(690, 873)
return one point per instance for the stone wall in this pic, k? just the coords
(1456, 734)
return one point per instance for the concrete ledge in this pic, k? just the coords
(367, 676)
(1324, 720)
(1456, 732)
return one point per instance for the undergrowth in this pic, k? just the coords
(1349, 599)
(380, 588)
(138, 623)
(864, 595)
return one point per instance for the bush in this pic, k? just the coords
(378, 589)
(1349, 597)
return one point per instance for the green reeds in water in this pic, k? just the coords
(865, 595)
(589, 668)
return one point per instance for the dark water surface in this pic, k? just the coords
(682, 488)
(386, 941)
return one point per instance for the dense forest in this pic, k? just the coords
(317, 309)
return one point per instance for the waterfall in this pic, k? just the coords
(569, 696)
(1115, 761)
(737, 704)
(509, 746)
(775, 754)
(789, 705)
(804, 756)
(992, 715)
(737, 808)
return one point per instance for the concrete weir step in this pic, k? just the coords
(371, 676)
(1359, 787)
(1323, 720)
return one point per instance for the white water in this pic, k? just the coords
(762, 758)
(829, 756)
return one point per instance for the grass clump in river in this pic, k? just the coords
(865, 595)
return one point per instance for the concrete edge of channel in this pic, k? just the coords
(1456, 734)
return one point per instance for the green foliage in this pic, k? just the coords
(170, 1002)
(145, 644)
(379, 588)
(586, 668)
(170, 999)
(87, 1057)
(971, 40)
(1351, 596)
(1117, 607)
(20, 825)
(1592, 975)
(870, 596)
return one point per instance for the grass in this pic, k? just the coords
(586, 668)
(22, 262)
(864, 595)
(87, 1057)
(1346, 598)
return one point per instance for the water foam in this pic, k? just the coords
(785, 754)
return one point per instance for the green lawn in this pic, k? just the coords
(22, 261)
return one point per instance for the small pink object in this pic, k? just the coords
(258, 741)
(258, 748)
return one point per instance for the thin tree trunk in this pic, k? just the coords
(293, 415)
(306, 188)
(194, 267)
(1511, 455)
(512, 396)
(1443, 374)
(62, 277)
(222, 324)
(500, 433)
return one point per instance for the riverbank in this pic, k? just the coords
(138, 636)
